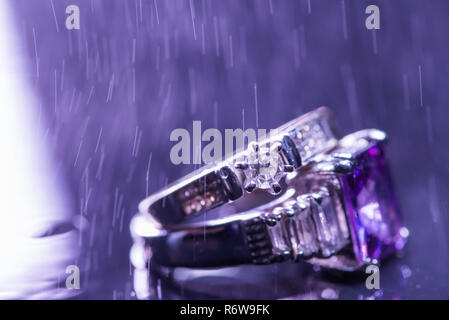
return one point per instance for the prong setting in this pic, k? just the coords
(249, 187)
(276, 146)
(263, 167)
(275, 188)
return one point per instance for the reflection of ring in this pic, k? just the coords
(339, 212)
(261, 166)
(153, 281)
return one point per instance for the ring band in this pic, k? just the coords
(339, 212)
(294, 145)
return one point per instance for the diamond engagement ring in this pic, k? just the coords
(339, 212)
(262, 166)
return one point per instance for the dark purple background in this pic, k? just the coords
(135, 75)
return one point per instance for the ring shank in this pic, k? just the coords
(217, 184)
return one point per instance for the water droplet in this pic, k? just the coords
(329, 294)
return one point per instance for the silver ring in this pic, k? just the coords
(339, 212)
(294, 145)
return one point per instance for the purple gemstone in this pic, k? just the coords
(372, 211)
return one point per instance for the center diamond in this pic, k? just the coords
(265, 167)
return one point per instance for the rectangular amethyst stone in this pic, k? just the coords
(372, 212)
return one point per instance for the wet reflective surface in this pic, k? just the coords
(283, 281)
